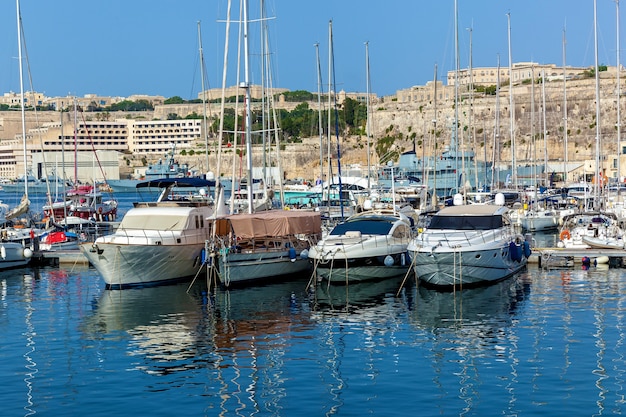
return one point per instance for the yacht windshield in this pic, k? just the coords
(466, 222)
(366, 227)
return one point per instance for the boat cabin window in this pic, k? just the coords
(466, 222)
(366, 227)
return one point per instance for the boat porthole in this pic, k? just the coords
(477, 256)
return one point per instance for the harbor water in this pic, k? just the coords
(540, 343)
(544, 342)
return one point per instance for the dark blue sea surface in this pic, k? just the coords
(541, 343)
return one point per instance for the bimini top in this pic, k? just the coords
(177, 182)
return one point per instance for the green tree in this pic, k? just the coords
(174, 100)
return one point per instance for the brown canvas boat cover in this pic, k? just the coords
(275, 223)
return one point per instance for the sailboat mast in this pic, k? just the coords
(63, 170)
(23, 108)
(495, 179)
(204, 114)
(319, 111)
(367, 107)
(533, 141)
(545, 129)
(75, 144)
(247, 106)
(265, 143)
(471, 111)
(220, 132)
(330, 92)
(598, 131)
(511, 108)
(331, 68)
(619, 95)
(455, 131)
(434, 136)
(565, 114)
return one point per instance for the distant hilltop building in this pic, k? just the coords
(88, 101)
(15, 99)
(484, 76)
(521, 71)
(256, 92)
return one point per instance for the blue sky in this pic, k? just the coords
(120, 48)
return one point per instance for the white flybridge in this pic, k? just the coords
(156, 242)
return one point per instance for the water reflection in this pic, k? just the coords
(353, 298)
(468, 327)
(162, 325)
(23, 281)
(356, 320)
(254, 330)
(484, 309)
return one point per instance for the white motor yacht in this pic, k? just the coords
(468, 245)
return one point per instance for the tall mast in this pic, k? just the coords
(545, 129)
(598, 131)
(367, 105)
(75, 144)
(424, 171)
(495, 179)
(247, 106)
(565, 114)
(619, 95)
(319, 111)
(511, 108)
(533, 141)
(471, 111)
(331, 68)
(204, 115)
(22, 106)
(455, 132)
(330, 92)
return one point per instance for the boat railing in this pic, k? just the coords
(453, 238)
(364, 241)
(159, 237)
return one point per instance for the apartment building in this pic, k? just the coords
(521, 71)
(120, 136)
(158, 136)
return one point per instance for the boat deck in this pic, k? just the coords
(547, 257)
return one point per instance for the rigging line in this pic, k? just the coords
(93, 148)
(33, 100)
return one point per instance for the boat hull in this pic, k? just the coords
(12, 255)
(123, 266)
(244, 267)
(342, 271)
(466, 268)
